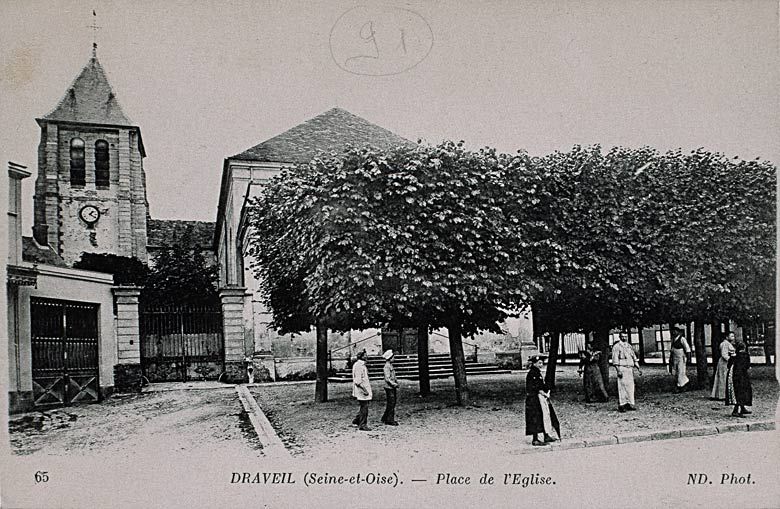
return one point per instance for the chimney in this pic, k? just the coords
(16, 172)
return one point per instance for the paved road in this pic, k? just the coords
(647, 474)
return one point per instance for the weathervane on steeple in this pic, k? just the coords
(94, 26)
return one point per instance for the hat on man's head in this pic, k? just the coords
(388, 354)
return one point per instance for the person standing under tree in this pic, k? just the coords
(540, 418)
(361, 389)
(624, 359)
(592, 381)
(739, 391)
(680, 356)
(726, 352)
(391, 389)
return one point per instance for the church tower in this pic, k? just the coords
(90, 193)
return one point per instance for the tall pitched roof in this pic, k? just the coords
(332, 130)
(90, 99)
(167, 233)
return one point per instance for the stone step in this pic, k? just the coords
(346, 378)
(439, 366)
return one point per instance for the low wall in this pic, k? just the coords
(295, 368)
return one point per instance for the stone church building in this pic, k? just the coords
(90, 194)
(75, 336)
(243, 175)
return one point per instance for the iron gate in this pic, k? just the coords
(64, 342)
(181, 344)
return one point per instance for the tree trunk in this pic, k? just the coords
(552, 361)
(321, 386)
(537, 330)
(562, 344)
(702, 376)
(641, 345)
(458, 364)
(601, 344)
(715, 339)
(422, 361)
(769, 344)
(688, 335)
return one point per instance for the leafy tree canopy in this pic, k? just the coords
(406, 237)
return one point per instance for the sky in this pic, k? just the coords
(206, 80)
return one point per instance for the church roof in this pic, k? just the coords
(36, 253)
(90, 99)
(332, 130)
(167, 233)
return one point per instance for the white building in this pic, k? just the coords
(242, 178)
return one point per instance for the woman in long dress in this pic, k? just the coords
(726, 352)
(592, 381)
(540, 419)
(739, 391)
(678, 359)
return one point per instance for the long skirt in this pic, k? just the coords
(719, 384)
(739, 390)
(549, 428)
(593, 383)
(626, 386)
(540, 416)
(677, 366)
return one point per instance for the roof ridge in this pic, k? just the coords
(321, 132)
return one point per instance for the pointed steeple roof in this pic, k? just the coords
(90, 99)
(331, 130)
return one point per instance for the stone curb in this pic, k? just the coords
(657, 435)
(272, 445)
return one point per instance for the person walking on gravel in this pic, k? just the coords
(624, 360)
(361, 389)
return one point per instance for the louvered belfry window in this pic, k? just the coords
(102, 170)
(77, 165)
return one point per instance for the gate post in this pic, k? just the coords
(127, 372)
(232, 298)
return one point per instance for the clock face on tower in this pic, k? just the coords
(89, 214)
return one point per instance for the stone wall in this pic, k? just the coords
(235, 373)
(121, 228)
(127, 378)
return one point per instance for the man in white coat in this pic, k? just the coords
(624, 360)
(361, 389)
(680, 356)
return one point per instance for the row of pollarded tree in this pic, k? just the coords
(442, 236)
